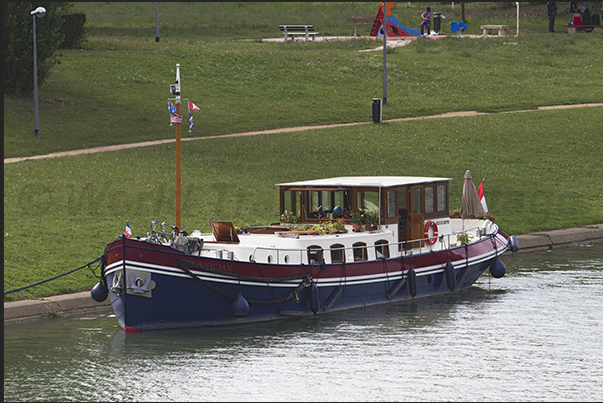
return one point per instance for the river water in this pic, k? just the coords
(534, 335)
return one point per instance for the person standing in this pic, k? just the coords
(573, 10)
(426, 23)
(552, 11)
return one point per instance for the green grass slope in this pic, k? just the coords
(542, 167)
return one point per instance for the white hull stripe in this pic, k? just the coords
(325, 282)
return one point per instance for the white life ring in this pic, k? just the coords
(431, 240)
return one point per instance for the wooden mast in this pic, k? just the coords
(178, 103)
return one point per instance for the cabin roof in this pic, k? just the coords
(366, 181)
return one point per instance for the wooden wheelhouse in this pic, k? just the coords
(403, 201)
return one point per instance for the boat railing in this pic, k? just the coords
(163, 237)
(406, 248)
(444, 241)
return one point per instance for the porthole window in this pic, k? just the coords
(314, 254)
(359, 251)
(337, 253)
(382, 249)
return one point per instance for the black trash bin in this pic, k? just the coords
(377, 110)
(437, 21)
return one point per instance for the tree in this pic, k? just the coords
(18, 43)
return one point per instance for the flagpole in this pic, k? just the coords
(178, 103)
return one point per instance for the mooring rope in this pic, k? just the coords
(60, 275)
(292, 294)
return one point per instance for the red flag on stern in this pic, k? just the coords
(482, 198)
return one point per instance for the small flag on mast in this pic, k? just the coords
(176, 118)
(171, 107)
(128, 232)
(193, 107)
(482, 198)
(172, 110)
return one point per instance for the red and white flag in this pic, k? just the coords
(482, 198)
(128, 232)
(176, 118)
(193, 107)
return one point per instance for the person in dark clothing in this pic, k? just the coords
(586, 17)
(552, 11)
(573, 10)
(594, 18)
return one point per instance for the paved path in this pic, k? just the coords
(19, 311)
(271, 131)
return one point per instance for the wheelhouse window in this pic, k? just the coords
(382, 249)
(391, 204)
(429, 200)
(291, 201)
(327, 204)
(359, 251)
(417, 203)
(314, 254)
(402, 209)
(442, 194)
(436, 200)
(368, 201)
(315, 204)
(337, 253)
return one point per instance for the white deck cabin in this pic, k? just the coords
(402, 207)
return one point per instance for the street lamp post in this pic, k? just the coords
(40, 11)
(384, 59)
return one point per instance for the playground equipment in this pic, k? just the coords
(393, 28)
(458, 27)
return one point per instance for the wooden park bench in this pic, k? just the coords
(572, 29)
(292, 30)
(360, 21)
(488, 29)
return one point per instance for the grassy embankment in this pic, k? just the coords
(541, 167)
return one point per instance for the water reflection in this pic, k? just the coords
(532, 335)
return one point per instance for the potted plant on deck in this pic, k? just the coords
(371, 220)
(357, 218)
(337, 226)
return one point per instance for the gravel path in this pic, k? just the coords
(272, 131)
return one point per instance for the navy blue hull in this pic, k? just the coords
(161, 292)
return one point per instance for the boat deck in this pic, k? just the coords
(291, 247)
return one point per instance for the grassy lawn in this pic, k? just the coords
(542, 168)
